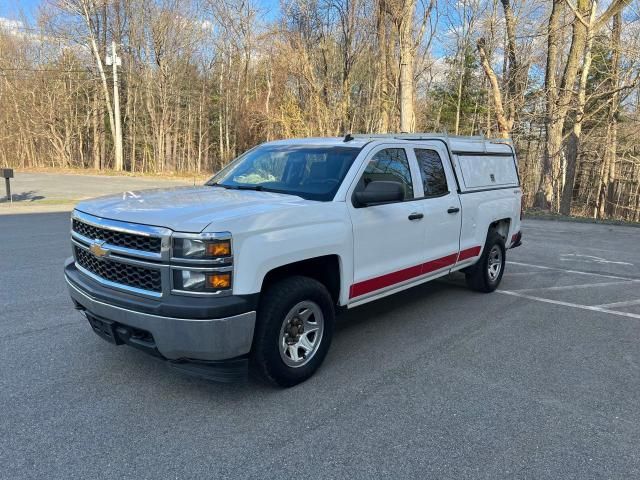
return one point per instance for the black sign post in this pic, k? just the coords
(7, 173)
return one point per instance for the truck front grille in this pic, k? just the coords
(118, 272)
(116, 238)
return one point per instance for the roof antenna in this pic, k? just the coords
(348, 137)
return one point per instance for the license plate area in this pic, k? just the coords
(105, 329)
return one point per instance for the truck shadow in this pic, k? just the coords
(392, 317)
(397, 303)
(385, 318)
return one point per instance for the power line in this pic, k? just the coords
(56, 70)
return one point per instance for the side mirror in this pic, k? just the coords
(377, 192)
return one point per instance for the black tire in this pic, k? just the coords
(276, 303)
(478, 277)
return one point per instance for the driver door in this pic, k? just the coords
(388, 239)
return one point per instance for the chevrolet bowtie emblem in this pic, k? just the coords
(98, 250)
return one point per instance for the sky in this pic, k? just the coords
(19, 9)
(26, 11)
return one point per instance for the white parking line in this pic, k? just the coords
(590, 259)
(531, 272)
(572, 287)
(569, 304)
(629, 303)
(577, 272)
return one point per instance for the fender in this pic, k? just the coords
(481, 209)
(325, 229)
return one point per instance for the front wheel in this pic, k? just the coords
(485, 276)
(294, 331)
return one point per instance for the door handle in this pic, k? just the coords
(453, 210)
(416, 216)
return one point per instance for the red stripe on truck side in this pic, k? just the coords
(383, 281)
(469, 253)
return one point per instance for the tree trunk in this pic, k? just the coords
(504, 124)
(562, 96)
(220, 115)
(95, 128)
(573, 143)
(103, 78)
(407, 54)
(559, 100)
(383, 57)
(612, 146)
(514, 89)
(456, 129)
(544, 193)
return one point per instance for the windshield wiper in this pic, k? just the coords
(216, 184)
(257, 188)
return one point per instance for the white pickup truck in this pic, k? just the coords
(251, 268)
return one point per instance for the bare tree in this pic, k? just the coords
(203, 80)
(559, 98)
(403, 14)
(506, 105)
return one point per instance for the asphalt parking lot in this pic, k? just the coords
(32, 188)
(538, 380)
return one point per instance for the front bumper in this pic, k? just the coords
(174, 338)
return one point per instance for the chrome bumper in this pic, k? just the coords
(180, 338)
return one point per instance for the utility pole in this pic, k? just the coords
(116, 61)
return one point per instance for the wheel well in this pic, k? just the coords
(325, 269)
(502, 227)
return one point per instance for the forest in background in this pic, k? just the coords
(199, 81)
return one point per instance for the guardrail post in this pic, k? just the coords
(7, 173)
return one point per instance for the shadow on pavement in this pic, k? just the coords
(23, 197)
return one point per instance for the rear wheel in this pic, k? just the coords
(485, 276)
(294, 331)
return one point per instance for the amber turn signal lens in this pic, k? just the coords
(219, 281)
(219, 249)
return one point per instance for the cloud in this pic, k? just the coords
(11, 26)
(16, 28)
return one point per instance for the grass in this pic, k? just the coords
(46, 201)
(537, 214)
(202, 176)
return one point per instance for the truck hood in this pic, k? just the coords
(186, 209)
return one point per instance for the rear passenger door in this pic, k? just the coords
(441, 207)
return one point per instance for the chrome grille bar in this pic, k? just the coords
(136, 254)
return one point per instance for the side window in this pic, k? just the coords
(432, 171)
(390, 164)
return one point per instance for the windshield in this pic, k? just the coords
(311, 172)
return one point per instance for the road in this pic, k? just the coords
(33, 189)
(538, 380)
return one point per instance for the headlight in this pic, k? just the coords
(201, 281)
(201, 249)
(202, 264)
